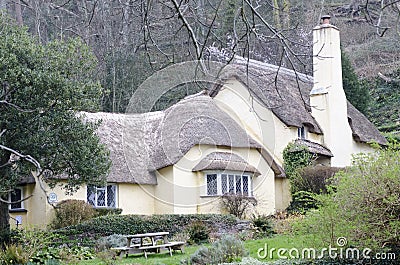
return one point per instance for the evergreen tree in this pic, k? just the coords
(356, 91)
(43, 88)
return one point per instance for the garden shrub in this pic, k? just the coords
(198, 232)
(263, 225)
(364, 204)
(302, 202)
(44, 247)
(227, 249)
(87, 232)
(231, 248)
(238, 205)
(14, 254)
(313, 179)
(111, 241)
(72, 212)
(107, 211)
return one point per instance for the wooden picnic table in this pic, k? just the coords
(152, 236)
(150, 245)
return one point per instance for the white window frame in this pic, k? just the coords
(22, 196)
(302, 133)
(96, 188)
(226, 175)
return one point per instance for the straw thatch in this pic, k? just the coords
(286, 93)
(195, 120)
(363, 130)
(225, 161)
(140, 144)
(129, 157)
(314, 148)
(277, 89)
(29, 179)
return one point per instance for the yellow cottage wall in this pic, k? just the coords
(189, 187)
(135, 199)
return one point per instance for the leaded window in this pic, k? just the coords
(102, 196)
(220, 184)
(212, 184)
(16, 196)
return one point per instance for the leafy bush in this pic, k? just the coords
(111, 241)
(263, 225)
(302, 202)
(107, 211)
(227, 249)
(87, 232)
(198, 232)
(231, 248)
(364, 205)
(33, 240)
(313, 179)
(14, 254)
(44, 247)
(72, 212)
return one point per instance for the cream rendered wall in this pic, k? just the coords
(189, 187)
(28, 216)
(135, 199)
(258, 121)
(39, 211)
(282, 193)
(163, 191)
(79, 195)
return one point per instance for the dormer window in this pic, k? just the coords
(302, 133)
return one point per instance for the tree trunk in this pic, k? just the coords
(18, 12)
(4, 223)
(4, 215)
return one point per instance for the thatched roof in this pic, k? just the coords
(314, 148)
(225, 161)
(140, 144)
(363, 130)
(194, 120)
(29, 179)
(129, 157)
(287, 95)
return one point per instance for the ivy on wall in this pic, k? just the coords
(296, 157)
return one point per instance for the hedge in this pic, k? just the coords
(87, 232)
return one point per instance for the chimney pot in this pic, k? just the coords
(326, 19)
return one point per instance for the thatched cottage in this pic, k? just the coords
(228, 139)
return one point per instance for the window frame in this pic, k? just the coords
(10, 206)
(302, 133)
(231, 180)
(95, 189)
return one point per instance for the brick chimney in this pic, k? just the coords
(327, 98)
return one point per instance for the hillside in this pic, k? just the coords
(134, 39)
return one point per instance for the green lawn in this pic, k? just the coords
(253, 246)
(152, 259)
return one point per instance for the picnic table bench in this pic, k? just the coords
(150, 245)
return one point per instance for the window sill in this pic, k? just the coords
(17, 210)
(209, 196)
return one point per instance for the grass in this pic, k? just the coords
(152, 259)
(253, 246)
(268, 247)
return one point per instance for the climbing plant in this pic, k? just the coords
(295, 156)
